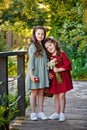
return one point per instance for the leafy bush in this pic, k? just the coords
(12, 66)
(6, 113)
(3, 45)
(79, 68)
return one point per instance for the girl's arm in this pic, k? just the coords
(33, 77)
(66, 62)
(55, 69)
(31, 52)
(31, 62)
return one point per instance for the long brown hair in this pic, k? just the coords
(35, 41)
(58, 49)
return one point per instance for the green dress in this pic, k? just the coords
(39, 66)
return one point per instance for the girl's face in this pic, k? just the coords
(50, 47)
(39, 34)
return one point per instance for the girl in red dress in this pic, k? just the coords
(63, 68)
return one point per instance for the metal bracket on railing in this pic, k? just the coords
(1, 82)
(15, 78)
(15, 101)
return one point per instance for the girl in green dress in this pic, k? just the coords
(37, 73)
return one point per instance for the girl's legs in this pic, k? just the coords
(33, 95)
(62, 101)
(41, 114)
(57, 108)
(40, 99)
(56, 101)
(33, 99)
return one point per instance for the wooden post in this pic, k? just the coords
(21, 84)
(9, 40)
(4, 80)
(4, 75)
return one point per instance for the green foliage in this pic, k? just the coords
(79, 68)
(7, 113)
(3, 46)
(2, 111)
(12, 66)
(65, 20)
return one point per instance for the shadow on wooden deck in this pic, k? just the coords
(75, 112)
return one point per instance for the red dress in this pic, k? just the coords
(66, 85)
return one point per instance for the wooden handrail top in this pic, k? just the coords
(12, 53)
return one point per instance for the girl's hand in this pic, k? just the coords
(34, 78)
(55, 69)
(51, 76)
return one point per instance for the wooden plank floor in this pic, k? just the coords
(75, 112)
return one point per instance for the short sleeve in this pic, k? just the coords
(66, 62)
(31, 52)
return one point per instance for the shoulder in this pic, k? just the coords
(32, 46)
(63, 53)
(31, 49)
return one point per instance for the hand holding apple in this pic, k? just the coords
(36, 79)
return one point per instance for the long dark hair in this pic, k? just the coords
(58, 49)
(35, 42)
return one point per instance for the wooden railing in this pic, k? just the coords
(21, 77)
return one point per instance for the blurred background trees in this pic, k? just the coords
(65, 20)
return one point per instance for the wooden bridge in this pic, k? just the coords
(76, 108)
(76, 113)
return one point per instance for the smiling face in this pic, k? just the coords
(51, 48)
(39, 35)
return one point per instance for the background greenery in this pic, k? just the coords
(65, 20)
